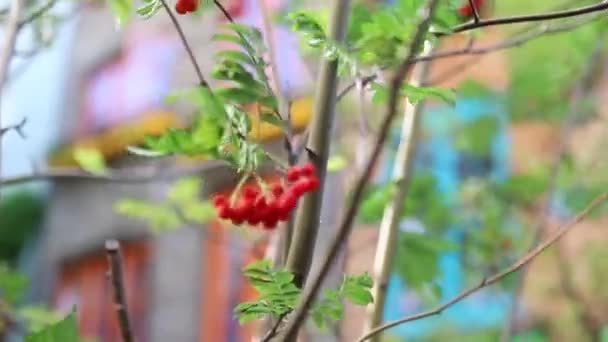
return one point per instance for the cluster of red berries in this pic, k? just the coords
(255, 207)
(186, 6)
(466, 10)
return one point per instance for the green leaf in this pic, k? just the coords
(357, 289)
(226, 37)
(417, 258)
(158, 216)
(90, 160)
(417, 94)
(272, 119)
(13, 284)
(122, 10)
(241, 96)
(234, 56)
(149, 9)
(65, 330)
(38, 316)
(185, 190)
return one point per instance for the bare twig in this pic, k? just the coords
(18, 128)
(475, 11)
(36, 14)
(516, 266)
(118, 288)
(389, 228)
(12, 28)
(223, 10)
(313, 285)
(602, 6)
(132, 175)
(201, 79)
(275, 328)
(582, 86)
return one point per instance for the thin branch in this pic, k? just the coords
(583, 85)
(602, 6)
(132, 175)
(10, 40)
(18, 128)
(389, 228)
(201, 79)
(275, 328)
(118, 288)
(36, 14)
(345, 227)
(516, 266)
(475, 11)
(223, 10)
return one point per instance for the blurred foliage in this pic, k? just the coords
(277, 295)
(182, 206)
(22, 213)
(542, 79)
(476, 137)
(65, 330)
(13, 287)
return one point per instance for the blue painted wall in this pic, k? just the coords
(436, 154)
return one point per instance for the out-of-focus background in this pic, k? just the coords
(483, 172)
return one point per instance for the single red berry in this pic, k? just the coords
(181, 7)
(308, 169)
(219, 200)
(237, 220)
(250, 191)
(465, 11)
(255, 218)
(192, 5)
(277, 189)
(312, 183)
(287, 202)
(293, 173)
(270, 222)
(224, 212)
(299, 188)
(244, 207)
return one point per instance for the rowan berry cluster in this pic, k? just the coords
(255, 206)
(186, 6)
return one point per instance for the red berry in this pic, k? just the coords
(219, 200)
(181, 7)
(312, 183)
(192, 5)
(277, 189)
(300, 187)
(293, 173)
(308, 169)
(270, 222)
(244, 207)
(224, 212)
(250, 191)
(287, 202)
(237, 220)
(270, 225)
(255, 218)
(260, 203)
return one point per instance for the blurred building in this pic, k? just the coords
(181, 285)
